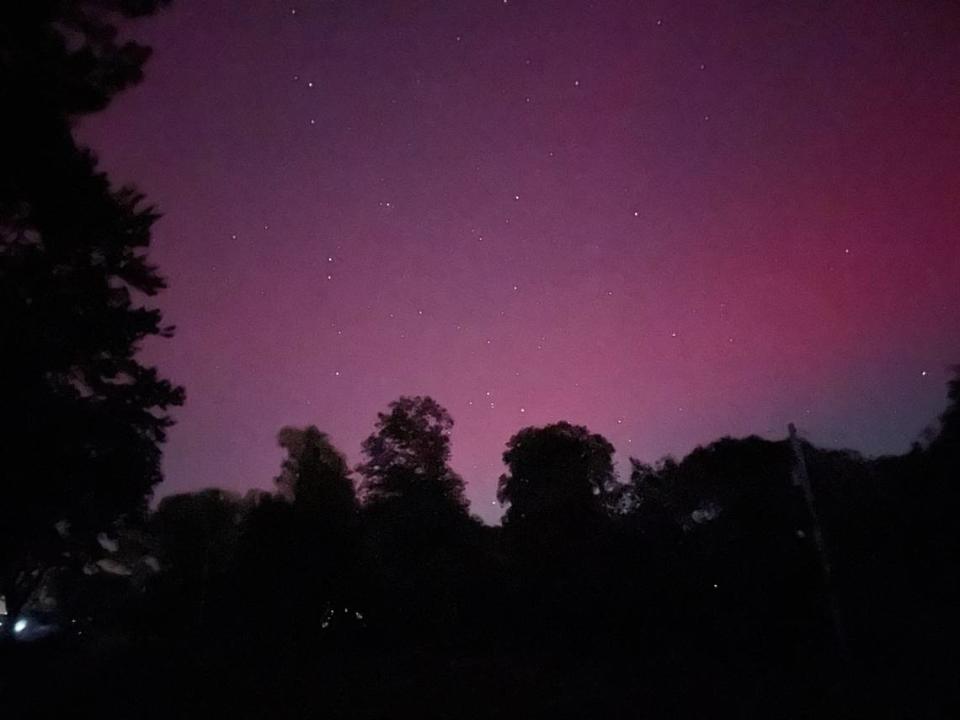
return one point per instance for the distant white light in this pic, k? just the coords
(20, 625)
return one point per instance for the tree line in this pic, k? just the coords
(683, 588)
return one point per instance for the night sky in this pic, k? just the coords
(666, 221)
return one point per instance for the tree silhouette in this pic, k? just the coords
(82, 419)
(199, 535)
(315, 476)
(416, 519)
(408, 458)
(560, 478)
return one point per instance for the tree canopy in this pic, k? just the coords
(408, 457)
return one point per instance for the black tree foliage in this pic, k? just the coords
(82, 419)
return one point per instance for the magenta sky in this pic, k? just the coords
(666, 224)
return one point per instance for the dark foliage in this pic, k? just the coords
(81, 418)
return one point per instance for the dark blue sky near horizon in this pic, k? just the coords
(667, 224)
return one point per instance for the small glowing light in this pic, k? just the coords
(714, 586)
(516, 197)
(20, 625)
(923, 373)
(523, 410)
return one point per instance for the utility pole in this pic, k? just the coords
(802, 479)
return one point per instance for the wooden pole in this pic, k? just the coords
(802, 479)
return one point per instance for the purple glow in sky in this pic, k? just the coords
(666, 221)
